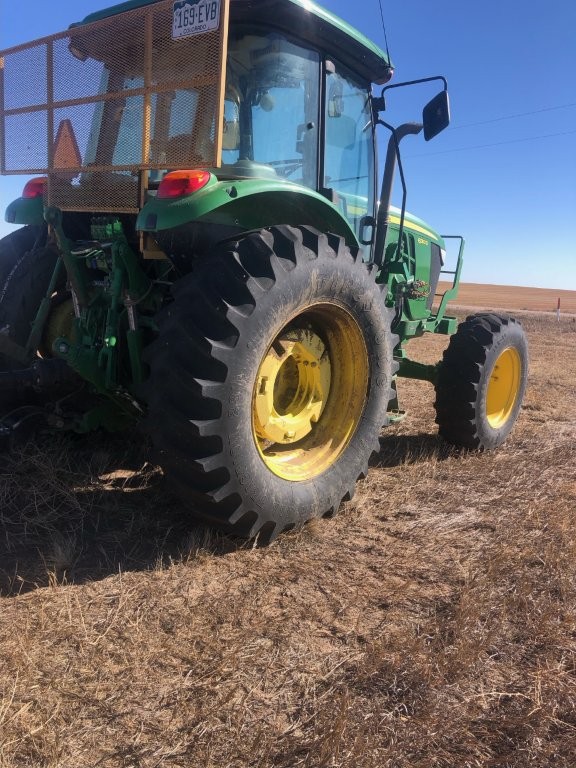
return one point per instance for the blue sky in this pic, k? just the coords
(504, 173)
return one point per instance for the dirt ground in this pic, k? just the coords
(431, 623)
(511, 298)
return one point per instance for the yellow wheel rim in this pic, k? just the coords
(503, 387)
(60, 323)
(310, 392)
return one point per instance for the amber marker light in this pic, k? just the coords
(180, 183)
(34, 187)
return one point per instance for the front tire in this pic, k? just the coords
(481, 381)
(270, 379)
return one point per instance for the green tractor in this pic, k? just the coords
(205, 253)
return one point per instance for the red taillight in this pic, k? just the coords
(34, 187)
(179, 183)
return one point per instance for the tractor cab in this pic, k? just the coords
(276, 91)
(291, 114)
(274, 95)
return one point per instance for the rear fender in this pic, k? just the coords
(248, 204)
(25, 210)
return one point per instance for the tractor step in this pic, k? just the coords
(396, 415)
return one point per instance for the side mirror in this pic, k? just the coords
(436, 115)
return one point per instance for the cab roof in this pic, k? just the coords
(314, 24)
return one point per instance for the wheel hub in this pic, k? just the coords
(309, 392)
(60, 323)
(292, 387)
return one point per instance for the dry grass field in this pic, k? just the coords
(514, 298)
(431, 623)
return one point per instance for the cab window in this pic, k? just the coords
(271, 107)
(349, 148)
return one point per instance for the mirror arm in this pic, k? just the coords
(414, 82)
(379, 102)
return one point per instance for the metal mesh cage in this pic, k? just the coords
(94, 107)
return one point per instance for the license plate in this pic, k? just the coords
(194, 17)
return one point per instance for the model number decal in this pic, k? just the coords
(194, 17)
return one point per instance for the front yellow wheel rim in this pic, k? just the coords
(310, 392)
(503, 387)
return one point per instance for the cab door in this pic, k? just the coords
(349, 157)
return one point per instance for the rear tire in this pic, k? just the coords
(481, 382)
(26, 268)
(269, 380)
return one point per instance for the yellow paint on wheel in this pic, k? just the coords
(503, 387)
(60, 323)
(309, 392)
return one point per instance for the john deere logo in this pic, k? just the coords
(193, 17)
